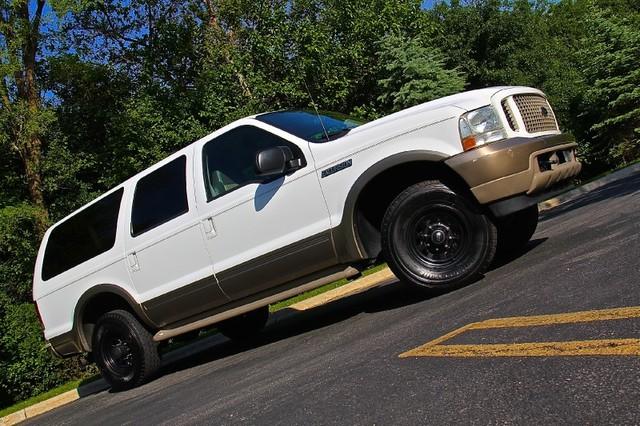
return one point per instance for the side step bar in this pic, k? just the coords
(204, 322)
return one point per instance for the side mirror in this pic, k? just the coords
(276, 161)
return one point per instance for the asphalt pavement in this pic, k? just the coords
(340, 363)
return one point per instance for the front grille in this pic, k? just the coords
(509, 114)
(536, 113)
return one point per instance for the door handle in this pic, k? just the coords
(209, 227)
(132, 258)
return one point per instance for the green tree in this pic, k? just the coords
(611, 105)
(22, 119)
(414, 74)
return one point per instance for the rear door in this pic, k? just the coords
(166, 253)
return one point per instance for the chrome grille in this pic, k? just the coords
(509, 114)
(536, 113)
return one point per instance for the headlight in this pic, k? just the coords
(480, 126)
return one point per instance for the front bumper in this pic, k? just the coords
(512, 167)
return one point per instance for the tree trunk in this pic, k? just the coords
(214, 26)
(28, 92)
(32, 157)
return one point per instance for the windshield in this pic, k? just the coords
(308, 125)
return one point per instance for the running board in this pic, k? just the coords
(204, 322)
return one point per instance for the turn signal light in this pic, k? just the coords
(469, 142)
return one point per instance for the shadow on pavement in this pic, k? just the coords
(615, 189)
(90, 387)
(505, 258)
(289, 323)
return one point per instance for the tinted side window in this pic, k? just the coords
(230, 159)
(160, 196)
(82, 236)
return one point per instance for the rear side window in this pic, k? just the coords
(83, 236)
(160, 196)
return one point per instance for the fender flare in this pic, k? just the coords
(79, 311)
(348, 246)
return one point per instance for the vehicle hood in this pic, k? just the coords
(465, 101)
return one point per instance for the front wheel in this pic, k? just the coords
(124, 350)
(436, 239)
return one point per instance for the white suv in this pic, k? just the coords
(279, 203)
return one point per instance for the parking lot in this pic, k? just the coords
(549, 336)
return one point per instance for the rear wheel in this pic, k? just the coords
(124, 350)
(245, 326)
(436, 239)
(516, 229)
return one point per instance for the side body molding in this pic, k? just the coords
(348, 246)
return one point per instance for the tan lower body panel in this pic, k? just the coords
(230, 313)
(531, 180)
(510, 167)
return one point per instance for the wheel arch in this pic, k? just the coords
(98, 300)
(358, 235)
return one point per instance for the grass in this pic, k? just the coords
(299, 298)
(273, 308)
(74, 384)
(39, 398)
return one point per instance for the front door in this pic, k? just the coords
(260, 232)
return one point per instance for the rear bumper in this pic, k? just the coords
(64, 345)
(528, 167)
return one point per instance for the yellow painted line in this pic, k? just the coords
(376, 279)
(554, 319)
(610, 347)
(606, 347)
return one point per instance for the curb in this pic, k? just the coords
(574, 193)
(39, 408)
(377, 279)
(54, 402)
(360, 285)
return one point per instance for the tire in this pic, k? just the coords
(124, 350)
(515, 230)
(245, 326)
(434, 238)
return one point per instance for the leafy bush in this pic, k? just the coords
(18, 248)
(27, 367)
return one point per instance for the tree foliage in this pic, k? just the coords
(611, 100)
(94, 91)
(414, 74)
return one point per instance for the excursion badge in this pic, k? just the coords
(338, 167)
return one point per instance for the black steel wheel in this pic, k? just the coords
(124, 350)
(245, 326)
(516, 229)
(435, 238)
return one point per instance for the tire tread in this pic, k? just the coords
(434, 186)
(150, 358)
